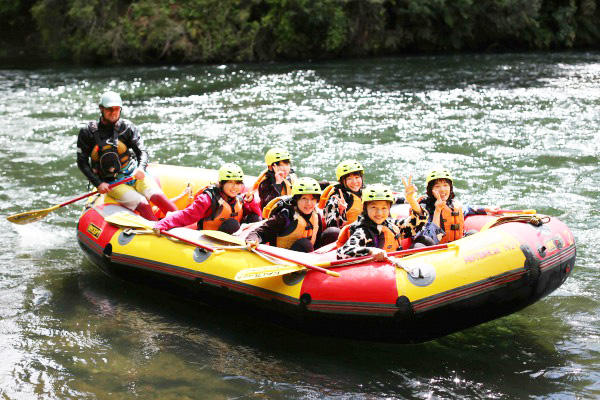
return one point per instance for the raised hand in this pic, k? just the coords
(279, 174)
(409, 192)
(249, 196)
(439, 203)
(409, 188)
(342, 205)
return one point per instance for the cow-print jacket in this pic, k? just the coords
(334, 217)
(361, 233)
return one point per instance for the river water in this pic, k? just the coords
(516, 130)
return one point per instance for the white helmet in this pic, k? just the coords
(111, 99)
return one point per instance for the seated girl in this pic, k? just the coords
(293, 221)
(375, 232)
(277, 179)
(341, 202)
(217, 207)
(446, 214)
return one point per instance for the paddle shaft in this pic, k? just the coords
(392, 253)
(190, 242)
(313, 267)
(83, 196)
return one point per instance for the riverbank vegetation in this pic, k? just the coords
(207, 31)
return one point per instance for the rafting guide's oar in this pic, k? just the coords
(277, 270)
(35, 215)
(125, 219)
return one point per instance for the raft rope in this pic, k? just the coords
(534, 220)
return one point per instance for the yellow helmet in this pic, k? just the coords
(377, 192)
(347, 167)
(438, 173)
(306, 186)
(230, 172)
(276, 154)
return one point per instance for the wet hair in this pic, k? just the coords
(433, 182)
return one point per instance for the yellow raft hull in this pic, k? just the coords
(486, 275)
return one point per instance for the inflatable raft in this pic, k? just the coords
(509, 264)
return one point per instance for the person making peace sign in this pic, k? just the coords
(375, 232)
(446, 214)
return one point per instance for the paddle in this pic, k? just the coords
(397, 253)
(267, 271)
(134, 221)
(277, 270)
(126, 219)
(262, 249)
(35, 215)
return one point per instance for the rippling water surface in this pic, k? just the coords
(520, 131)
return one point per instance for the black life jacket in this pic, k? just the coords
(109, 156)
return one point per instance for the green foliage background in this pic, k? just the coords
(169, 31)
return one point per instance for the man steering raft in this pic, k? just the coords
(116, 151)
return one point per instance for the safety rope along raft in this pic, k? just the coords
(534, 220)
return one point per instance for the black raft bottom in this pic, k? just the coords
(404, 327)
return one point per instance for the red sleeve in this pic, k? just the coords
(252, 207)
(199, 209)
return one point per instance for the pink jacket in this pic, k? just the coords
(199, 209)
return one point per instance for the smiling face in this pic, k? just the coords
(443, 189)
(232, 188)
(307, 203)
(283, 166)
(110, 115)
(353, 181)
(378, 210)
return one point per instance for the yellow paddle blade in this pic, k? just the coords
(30, 216)
(129, 220)
(268, 271)
(224, 237)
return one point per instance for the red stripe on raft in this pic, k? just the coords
(356, 309)
(210, 279)
(557, 259)
(421, 305)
